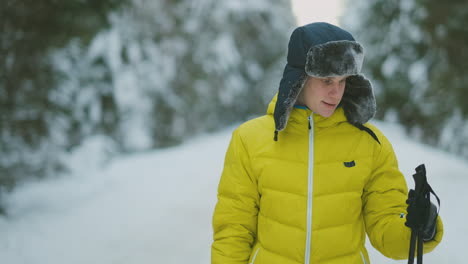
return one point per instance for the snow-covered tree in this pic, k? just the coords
(161, 72)
(414, 55)
(177, 68)
(183, 67)
(30, 31)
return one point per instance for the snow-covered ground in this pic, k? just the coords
(156, 207)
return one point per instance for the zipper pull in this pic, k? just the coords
(309, 123)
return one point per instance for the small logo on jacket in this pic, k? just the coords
(349, 164)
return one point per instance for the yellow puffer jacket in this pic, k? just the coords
(313, 194)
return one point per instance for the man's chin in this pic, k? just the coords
(326, 114)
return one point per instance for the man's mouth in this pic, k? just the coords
(329, 104)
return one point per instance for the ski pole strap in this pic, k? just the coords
(437, 197)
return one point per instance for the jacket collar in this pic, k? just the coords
(301, 116)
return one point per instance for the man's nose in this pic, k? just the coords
(335, 88)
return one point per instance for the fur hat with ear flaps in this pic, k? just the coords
(325, 50)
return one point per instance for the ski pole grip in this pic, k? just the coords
(420, 180)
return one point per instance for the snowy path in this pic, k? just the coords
(156, 207)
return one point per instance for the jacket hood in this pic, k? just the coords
(324, 50)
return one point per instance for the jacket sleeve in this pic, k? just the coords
(235, 214)
(384, 207)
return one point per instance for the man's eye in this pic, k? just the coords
(327, 81)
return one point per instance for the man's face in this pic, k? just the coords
(322, 95)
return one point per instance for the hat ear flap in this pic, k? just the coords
(290, 87)
(358, 100)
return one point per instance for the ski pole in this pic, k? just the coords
(420, 197)
(421, 191)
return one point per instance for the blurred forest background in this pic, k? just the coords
(416, 59)
(125, 76)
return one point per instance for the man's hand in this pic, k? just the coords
(421, 215)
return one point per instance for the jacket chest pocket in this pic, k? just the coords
(344, 175)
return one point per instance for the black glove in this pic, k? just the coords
(422, 215)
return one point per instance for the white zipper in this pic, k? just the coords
(310, 189)
(363, 258)
(255, 256)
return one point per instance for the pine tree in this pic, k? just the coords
(30, 31)
(414, 56)
(193, 66)
(142, 74)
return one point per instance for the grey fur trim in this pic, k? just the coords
(334, 58)
(289, 102)
(358, 100)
